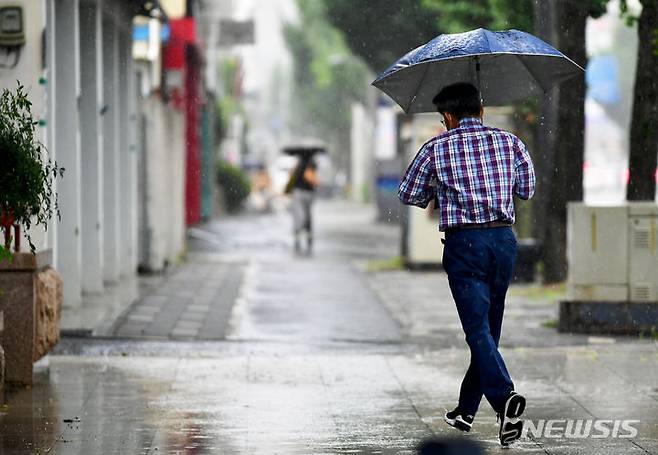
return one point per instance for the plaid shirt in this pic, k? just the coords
(477, 171)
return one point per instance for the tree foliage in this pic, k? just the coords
(462, 15)
(328, 77)
(235, 185)
(5, 254)
(382, 31)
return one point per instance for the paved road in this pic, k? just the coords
(314, 355)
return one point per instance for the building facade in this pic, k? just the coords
(95, 72)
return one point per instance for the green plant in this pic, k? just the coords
(5, 254)
(386, 265)
(551, 324)
(26, 171)
(235, 184)
(651, 334)
(327, 77)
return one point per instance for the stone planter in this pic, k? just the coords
(30, 302)
(608, 318)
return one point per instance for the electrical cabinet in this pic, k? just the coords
(611, 252)
(643, 264)
(423, 239)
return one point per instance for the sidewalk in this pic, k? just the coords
(421, 302)
(273, 398)
(314, 355)
(193, 302)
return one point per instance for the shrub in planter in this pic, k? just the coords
(26, 172)
(4, 253)
(31, 297)
(235, 185)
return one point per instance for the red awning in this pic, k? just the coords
(182, 32)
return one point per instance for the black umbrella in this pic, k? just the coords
(505, 66)
(304, 151)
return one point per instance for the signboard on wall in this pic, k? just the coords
(233, 33)
(175, 9)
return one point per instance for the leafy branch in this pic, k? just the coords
(27, 172)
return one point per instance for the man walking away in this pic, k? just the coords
(473, 172)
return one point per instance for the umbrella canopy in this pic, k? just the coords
(506, 66)
(304, 151)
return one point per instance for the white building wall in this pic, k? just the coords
(176, 137)
(164, 187)
(36, 79)
(85, 94)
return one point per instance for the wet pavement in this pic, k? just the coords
(193, 301)
(248, 349)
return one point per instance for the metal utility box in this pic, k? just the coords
(643, 257)
(613, 270)
(611, 253)
(422, 238)
(597, 253)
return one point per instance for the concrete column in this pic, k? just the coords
(126, 155)
(91, 136)
(361, 156)
(51, 125)
(141, 132)
(67, 144)
(134, 151)
(111, 147)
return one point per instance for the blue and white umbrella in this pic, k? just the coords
(506, 66)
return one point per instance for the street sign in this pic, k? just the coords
(232, 33)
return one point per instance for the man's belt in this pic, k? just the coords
(489, 224)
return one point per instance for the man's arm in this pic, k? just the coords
(524, 172)
(415, 188)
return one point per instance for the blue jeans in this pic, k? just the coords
(480, 264)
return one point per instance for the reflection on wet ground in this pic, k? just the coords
(246, 398)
